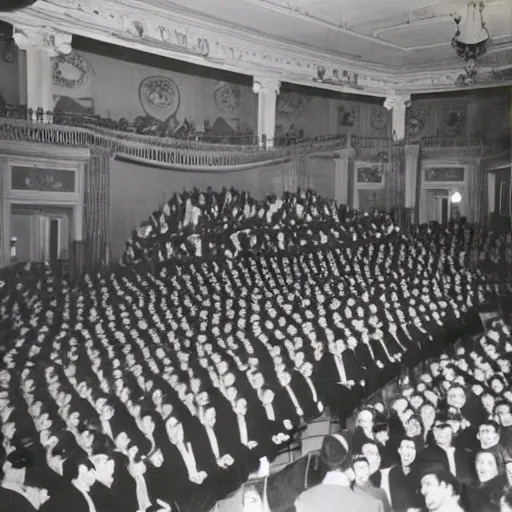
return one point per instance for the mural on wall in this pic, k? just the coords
(379, 118)
(292, 105)
(227, 98)
(454, 122)
(418, 116)
(370, 174)
(444, 174)
(348, 116)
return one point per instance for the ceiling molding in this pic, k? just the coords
(180, 35)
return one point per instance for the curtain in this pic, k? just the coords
(395, 177)
(475, 191)
(96, 210)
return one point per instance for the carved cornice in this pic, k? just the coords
(266, 85)
(42, 38)
(209, 42)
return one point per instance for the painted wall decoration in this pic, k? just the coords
(44, 180)
(292, 104)
(347, 116)
(227, 98)
(68, 105)
(455, 120)
(159, 97)
(379, 118)
(417, 119)
(370, 174)
(71, 71)
(444, 174)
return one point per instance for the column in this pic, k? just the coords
(40, 44)
(412, 154)
(267, 90)
(398, 104)
(341, 171)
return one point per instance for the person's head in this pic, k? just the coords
(442, 430)
(365, 419)
(486, 466)
(122, 440)
(14, 468)
(407, 451)
(174, 430)
(427, 414)
(107, 412)
(80, 470)
(105, 467)
(147, 423)
(210, 416)
(371, 453)
(361, 469)
(488, 434)
(334, 451)
(381, 432)
(251, 500)
(456, 396)
(437, 485)
(503, 413)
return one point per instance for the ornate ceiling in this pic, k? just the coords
(374, 47)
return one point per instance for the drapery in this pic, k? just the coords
(395, 177)
(96, 210)
(476, 187)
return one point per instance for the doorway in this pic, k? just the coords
(40, 233)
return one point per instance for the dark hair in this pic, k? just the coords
(382, 426)
(358, 457)
(490, 423)
(102, 445)
(71, 466)
(501, 403)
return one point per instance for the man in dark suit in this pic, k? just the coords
(80, 474)
(334, 493)
(456, 460)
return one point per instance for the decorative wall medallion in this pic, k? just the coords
(71, 71)
(379, 118)
(227, 98)
(159, 97)
(347, 116)
(290, 104)
(455, 120)
(444, 174)
(370, 174)
(44, 180)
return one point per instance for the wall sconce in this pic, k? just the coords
(456, 198)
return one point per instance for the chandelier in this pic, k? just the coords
(470, 39)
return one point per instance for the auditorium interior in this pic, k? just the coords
(254, 255)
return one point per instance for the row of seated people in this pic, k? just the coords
(139, 367)
(444, 443)
(229, 222)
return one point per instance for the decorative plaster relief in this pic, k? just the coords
(397, 100)
(159, 97)
(227, 98)
(71, 71)
(43, 38)
(417, 118)
(266, 85)
(202, 38)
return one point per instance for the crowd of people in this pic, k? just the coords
(444, 443)
(139, 388)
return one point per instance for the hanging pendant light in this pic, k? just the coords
(471, 38)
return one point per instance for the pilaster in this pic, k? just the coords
(398, 104)
(412, 154)
(267, 90)
(40, 44)
(341, 173)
